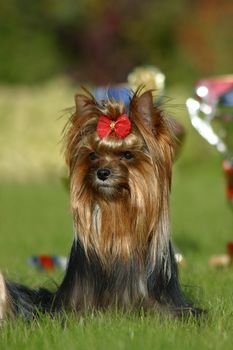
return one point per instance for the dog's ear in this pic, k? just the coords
(82, 104)
(145, 108)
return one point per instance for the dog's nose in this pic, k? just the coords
(103, 173)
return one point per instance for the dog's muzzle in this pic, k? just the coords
(103, 173)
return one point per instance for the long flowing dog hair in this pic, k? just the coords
(122, 253)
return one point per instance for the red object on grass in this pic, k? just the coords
(47, 262)
(228, 169)
(230, 249)
(121, 127)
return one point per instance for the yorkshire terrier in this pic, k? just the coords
(120, 163)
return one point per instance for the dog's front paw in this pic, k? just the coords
(3, 298)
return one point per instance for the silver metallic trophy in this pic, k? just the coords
(211, 114)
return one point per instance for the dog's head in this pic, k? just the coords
(120, 168)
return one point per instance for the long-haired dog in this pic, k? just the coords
(120, 164)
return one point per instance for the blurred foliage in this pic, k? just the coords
(102, 40)
(32, 120)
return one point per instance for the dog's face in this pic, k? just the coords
(108, 167)
(112, 167)
(108, 173)
(119, 185)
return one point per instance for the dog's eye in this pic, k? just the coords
(127, 155)
(93, 156)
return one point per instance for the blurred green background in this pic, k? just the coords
(102, 40)
(47, 50)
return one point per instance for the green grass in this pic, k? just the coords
(35, 219)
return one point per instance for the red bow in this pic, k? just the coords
(121, 127)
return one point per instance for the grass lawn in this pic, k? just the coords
(35, 219)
